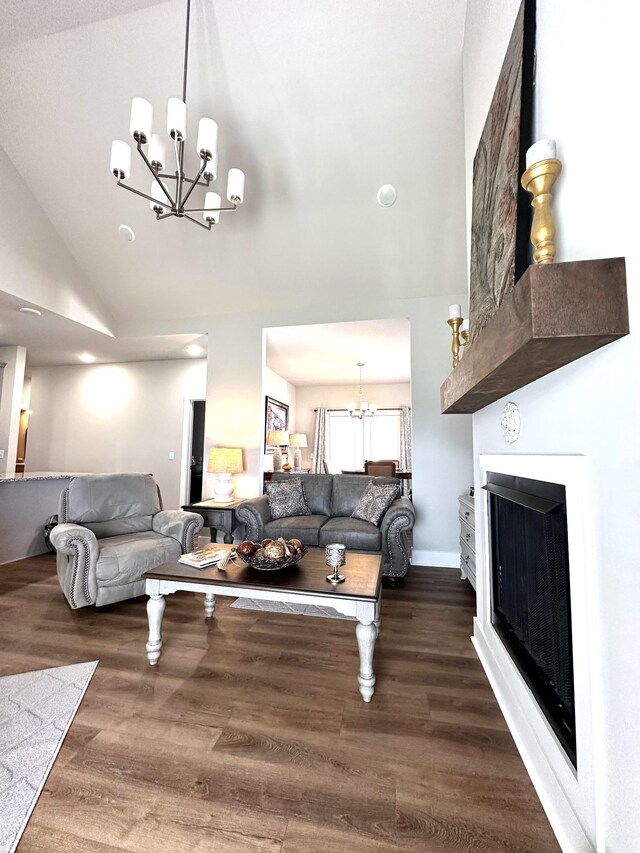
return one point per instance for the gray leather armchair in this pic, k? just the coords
(113, 529)
(332, 498)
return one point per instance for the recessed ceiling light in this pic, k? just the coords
(194, 349)
(31, 311)
(127, 233)
(387, 195)
(87, 357)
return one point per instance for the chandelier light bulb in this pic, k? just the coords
(141, 119)
(207, 143)
(235, 186)
(120, 163)
(160, 204)
(212, 200)
(177, 119)
(157, 156)
(211, 168)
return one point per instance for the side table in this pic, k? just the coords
(217, 516)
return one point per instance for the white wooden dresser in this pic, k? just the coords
(466, 513)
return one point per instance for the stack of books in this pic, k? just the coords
(203, 557)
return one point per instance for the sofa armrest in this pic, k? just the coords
(255, 514)
(76, 558)
(180, 525)
(397, 521)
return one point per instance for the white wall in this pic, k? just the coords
(113, 418)
(11, 384)
(442, 460)
(309, 397)
(586, 86)
(36, 264)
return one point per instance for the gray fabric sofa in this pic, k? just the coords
(113, 529)
(332, 498)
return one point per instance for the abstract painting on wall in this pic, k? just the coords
(500, 207)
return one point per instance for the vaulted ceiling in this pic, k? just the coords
(319, 103)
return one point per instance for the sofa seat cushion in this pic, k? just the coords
(302, 527)
(122, 559)
(360, 535)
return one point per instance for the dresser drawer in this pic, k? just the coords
(468, 535)
(466, 512)
(468, 563)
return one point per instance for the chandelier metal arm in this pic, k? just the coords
(165, 215)
(203, 209)
(201, 224)
(144, 195)
(154, 173)
(194, 183)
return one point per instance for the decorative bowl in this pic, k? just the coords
(264, 564)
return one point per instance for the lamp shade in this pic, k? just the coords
(120, 163)
(157, 156)
(160, 204)
(297, 439)
(141, 118)
(212, 201)
(225, 460)
(211, 167)
(177, 119)
(235, 186)
(207, 141)
(278, 438)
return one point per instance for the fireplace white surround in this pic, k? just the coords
(571, 799)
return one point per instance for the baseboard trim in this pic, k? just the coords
(444, 559)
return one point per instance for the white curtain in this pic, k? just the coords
(320, 450)
(405, 438)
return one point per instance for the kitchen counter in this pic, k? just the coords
(26, 503)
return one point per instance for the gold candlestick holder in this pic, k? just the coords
(455, 323)
(539, 180)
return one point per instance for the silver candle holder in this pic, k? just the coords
(335, 556)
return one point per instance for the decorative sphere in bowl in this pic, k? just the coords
(264, 559)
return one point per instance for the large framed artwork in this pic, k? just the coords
(276, 416)
(501, 209)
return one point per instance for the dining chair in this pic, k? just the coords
(381, 468)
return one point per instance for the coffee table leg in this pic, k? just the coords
(155, 611)
(366, 635)
(376, 618)
(209, 604)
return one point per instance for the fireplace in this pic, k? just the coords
(530, 592)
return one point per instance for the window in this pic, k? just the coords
(350, 441)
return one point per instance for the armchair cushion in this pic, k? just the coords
(286, 499)
(126, 558)
(111, 504)
(374, 501)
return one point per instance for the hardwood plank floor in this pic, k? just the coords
(251, 735)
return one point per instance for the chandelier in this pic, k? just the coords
(364, 409)
(170, 199)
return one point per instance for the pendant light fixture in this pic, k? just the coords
(364, 410)
(167, 199)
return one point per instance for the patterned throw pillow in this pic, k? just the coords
(286, 498)
(375, 500)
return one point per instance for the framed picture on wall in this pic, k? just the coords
(276, 416)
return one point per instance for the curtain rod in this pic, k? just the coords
(379, 409)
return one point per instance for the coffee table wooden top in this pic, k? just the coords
(362, 572)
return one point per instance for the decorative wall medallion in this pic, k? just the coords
(511, 422)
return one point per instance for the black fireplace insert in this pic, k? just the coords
(530, 593)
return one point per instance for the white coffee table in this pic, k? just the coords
(305, 583)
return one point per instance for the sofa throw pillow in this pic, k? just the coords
(286, 498)
(374, 502)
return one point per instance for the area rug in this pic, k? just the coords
(281, 607)
(36, 710)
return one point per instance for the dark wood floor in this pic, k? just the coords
(250, 734)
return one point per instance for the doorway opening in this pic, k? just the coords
(196, 451)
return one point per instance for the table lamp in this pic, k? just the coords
(277, 438)
(297, 440)
(224, 461)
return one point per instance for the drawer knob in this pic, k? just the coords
(467, 536)
(467, 558)
(466, 515)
